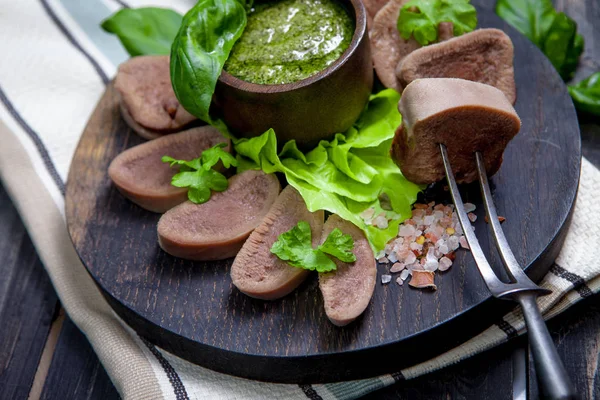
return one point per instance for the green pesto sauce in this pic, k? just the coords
(289, 40)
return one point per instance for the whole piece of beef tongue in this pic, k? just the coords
(465, 116)
(347, 291)
(217, 229)
(148, 102)
(388, 48)
(484, 55)
(261, 274)
(141, 176)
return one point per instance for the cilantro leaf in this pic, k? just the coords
(339, 245)
(211, 157)
(198, 175)
(420, 18)
(295, 247)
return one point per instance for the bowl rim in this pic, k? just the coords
(360, 17)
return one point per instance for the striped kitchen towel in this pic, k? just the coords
(55, 64)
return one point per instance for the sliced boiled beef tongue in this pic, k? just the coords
(148, 102)
(347, 291)
(372, 7)
(388, 48)
(217, 229)
(141, 176)
(484, 55)
(465, 116)
(261, 274)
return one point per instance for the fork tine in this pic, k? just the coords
(494, 284)
(508, 259)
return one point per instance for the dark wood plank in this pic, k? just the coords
(75, 371)
(192, 309)
(27, 305)
(576, 334)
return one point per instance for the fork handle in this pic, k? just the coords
(552, 376)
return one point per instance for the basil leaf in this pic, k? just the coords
(586, 94)
(144, 31)
(420, 18)
(200, 49)
(553, 32)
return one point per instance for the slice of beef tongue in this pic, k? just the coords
(484, 55)
(217, 229)
(388, 48)
(261, 274)
(348, 290)
(143, 178)
(465, 116)
(148, 102)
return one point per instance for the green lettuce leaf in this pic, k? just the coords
(144, 31)
(200, 49)
(420, 18)
(295, 247)
(553, 32)
(346, 175)
(586, 94)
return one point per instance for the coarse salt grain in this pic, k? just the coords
(404, 274)
(469, 207)
(463, 243)
(399, 281)
(445, 263)
(397, 267)
(386, 279)
(425, 242)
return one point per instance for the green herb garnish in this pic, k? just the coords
(198, 176)
(295, 247)
(346, 175)
(144, 31)
(420, 18)
(586, 94)
(200, 49)
(553, 32)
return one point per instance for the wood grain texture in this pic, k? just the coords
(27, 305)
(75, 371)
(192, 310)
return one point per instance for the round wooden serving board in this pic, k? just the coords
(192, 309)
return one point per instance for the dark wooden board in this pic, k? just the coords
(192, 310)
(75, 371)
(28, 304)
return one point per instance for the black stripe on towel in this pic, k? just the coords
(398, 377)
(310, 392)
(74, 42)
(36, 141)
(122, 3)
(178, 388)
(577, 281)
(507, 328)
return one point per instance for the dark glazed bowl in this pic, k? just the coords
(308, 110)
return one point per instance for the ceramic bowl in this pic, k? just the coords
(308, 110)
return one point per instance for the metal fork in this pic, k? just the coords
(551, 373)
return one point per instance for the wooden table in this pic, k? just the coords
(42, 352)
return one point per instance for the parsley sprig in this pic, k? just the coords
(198, 174)
(295, 247)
